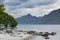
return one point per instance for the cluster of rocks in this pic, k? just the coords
(44, 34)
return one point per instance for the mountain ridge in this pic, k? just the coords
(52, 18)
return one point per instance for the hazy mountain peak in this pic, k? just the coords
(29, 14)
(52, 18)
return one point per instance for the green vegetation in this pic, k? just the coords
(6, 19)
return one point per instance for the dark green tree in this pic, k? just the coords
(6, 19)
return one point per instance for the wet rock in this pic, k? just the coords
(9, 31)
(30, 32)
(53, 33)
(46, 37)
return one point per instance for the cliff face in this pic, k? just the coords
(52, 18)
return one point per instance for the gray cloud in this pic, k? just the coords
(29, 3)
(1, 1)
(24, 0)
(16, 4)
(18, 8)
(33, 3)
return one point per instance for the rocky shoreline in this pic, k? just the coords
(26, 34)
(44, 34)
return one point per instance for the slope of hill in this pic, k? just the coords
(28, 19)
(52, 18)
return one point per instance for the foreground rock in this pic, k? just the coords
(44, 34)
(15, 36)
(25, 35)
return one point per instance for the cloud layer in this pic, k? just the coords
(18, 8)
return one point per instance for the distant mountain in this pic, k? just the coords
(28, 19)
(52, 18)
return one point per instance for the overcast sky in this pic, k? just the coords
(18, 8)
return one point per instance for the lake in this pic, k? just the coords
(42, 28)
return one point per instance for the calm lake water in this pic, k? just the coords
(42, 28)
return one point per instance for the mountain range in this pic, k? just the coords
(52, 18)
